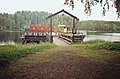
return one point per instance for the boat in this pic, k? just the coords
(67, 33)
(36, 34)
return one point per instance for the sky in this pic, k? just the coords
(52, 6)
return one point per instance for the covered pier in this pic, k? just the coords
(70, 36)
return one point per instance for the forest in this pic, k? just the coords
(100, 26)
(21, 19)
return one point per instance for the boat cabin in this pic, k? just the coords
(64, 29)
(36, 34)
(66, 32)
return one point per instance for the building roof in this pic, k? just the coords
(40, 28)
(61, 25)
(64, 12)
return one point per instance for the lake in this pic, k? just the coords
(14, 36)
(103, 36)
(10, 36)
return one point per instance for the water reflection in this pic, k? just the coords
(10, 36)
(102, 36)
(14, 36)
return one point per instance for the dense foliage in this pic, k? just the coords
(101, 44)
(26, 18)
(101, 26)
(21, 19)
(6, 21)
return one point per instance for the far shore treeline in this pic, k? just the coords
(26, 18)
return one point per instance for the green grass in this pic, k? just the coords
(10, 53)
(100, 50)
(104, 52)
(101, 44)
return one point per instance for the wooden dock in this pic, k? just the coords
(35, 38)
(72, 38)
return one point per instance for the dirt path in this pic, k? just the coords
(56, 63)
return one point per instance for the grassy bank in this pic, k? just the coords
(99, 49)
(10, 53)
(105, 52)
(101, 44)
(85, 58)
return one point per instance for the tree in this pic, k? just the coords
(105, 4)
(15, 18)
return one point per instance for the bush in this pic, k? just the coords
(111, 46)
(101, 44)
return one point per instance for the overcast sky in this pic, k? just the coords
(11, 6)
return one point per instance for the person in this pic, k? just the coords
(65, 29)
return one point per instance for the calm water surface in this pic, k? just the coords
(102, 36)
(10, 36)
(14, 36)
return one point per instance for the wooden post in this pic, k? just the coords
(51, 39)
(73, 31)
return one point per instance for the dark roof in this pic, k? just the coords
(64, 12)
